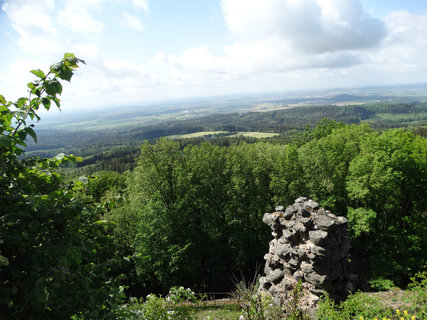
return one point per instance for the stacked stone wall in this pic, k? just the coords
(309, 244)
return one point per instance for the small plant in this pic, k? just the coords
(293, 310)
(418, 287)
(177, 305)
(356, 306)
(360, 306)
(259, 305)
(381, 284)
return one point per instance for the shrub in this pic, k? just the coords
(381, 284)
(177, 305)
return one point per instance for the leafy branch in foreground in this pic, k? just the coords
(42, 91)
(53, 256)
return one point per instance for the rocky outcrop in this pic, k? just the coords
(310, 243)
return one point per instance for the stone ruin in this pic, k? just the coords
(310, 243)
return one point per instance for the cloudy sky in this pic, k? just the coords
(145, 50)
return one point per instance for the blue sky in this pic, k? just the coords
(139, 51)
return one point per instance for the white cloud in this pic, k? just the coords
(159, 59)
(109, 81)
(405, 45)
(78, 18)
(271, 43)
(131, 21)
(86, 50)
(33, 22)
(197, 59)
(142, 4)
(328, 37)
(313, 26)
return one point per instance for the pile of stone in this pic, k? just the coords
(310, 243)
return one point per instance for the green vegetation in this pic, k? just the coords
(412, 304)
(54, 257)
(188, 212)
(219, 194)
(254, 305)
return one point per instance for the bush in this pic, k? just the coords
(381, 284)
(177, 305)
(356, 306)
(418, 287)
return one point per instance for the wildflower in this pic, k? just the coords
(405, 312)
(413, 318)
(361, 318)
(397, 311)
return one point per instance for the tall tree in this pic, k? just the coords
(388, 179)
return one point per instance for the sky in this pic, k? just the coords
(141, 51)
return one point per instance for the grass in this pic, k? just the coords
(399, 118)
(240, 133)
(394, 304)
(195, 134)
(255, 134)
(221, 310)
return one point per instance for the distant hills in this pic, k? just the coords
(151, 114)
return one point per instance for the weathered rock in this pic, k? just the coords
(316, 279)
(264, 283)
(273, 290)
(275, 276)
(318, 236)
(324, 222)
(305, 267)
(278, 208)
(285, 251)
(310, 244)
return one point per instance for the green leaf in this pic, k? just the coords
(2, 99)
(65, 73)
(39, 73)
(101, 222)
(6, 141)
(4, 262)
(40, 291)
(69, 55)
(57, 101)
(21, 102)
(32, 133)
(46, 103)
(37, 92)
(139, 259)
(53, 87)
(56, 66)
